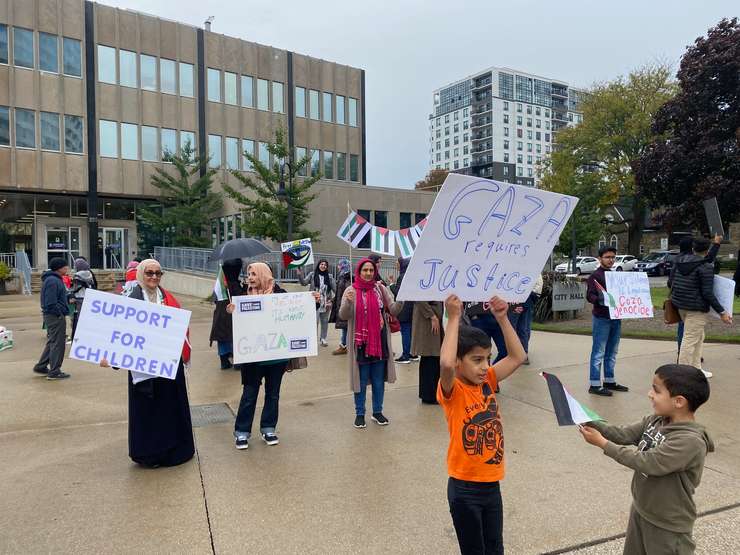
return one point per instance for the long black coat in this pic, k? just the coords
(221, 329)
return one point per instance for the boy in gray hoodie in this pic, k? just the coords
(666, 450)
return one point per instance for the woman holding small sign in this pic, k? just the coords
(259, 282)
(160, 432)
(366, 306)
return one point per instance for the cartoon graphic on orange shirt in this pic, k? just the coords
(484, 431)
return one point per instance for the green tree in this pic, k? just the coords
(616, 130)
(433, 181)
(187, 202)
(265, 206)
(696, 154)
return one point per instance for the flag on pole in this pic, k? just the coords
(354, 228)
(383, 241)
(567, 410)
(220, 289)
(407, 241)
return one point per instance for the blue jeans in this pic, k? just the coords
(225, 348)
(344, 337)
(605, 334)
(488, 324)
(406, 339)
(373, 372)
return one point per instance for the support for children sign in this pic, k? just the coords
(628, 295)
(274, 327)
(130, 334)
(485, 238)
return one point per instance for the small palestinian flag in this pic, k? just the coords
(220, 289)
(567, 410)
(407, 241)
(608, 297)
(354, 228)
(383, 241)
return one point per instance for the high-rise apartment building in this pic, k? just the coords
(500, 124)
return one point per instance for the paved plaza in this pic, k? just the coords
(68, 485)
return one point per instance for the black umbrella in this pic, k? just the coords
(238, 248)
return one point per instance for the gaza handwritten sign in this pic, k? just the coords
(485, 238)
(131, 334)
(274, 327)
(628, 295)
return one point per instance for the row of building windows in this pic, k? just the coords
(50, 130)
(50, 57)
(325, 109)
(129, 69)
(130, 141)
(239, 90)
(230, 154)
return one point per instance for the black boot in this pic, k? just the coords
(225, 362)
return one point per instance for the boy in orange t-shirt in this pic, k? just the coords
(475, 456)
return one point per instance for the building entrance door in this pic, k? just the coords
(114, 247)
(63, 242)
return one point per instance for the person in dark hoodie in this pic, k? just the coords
(55, 309)
(692, 293)
(605, 332)
(667, 451)
(405, 317)
(221, 330)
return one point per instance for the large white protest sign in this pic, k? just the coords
(724, 290)
(274, 327)
(628, 295)
(485, 238)
(146, 338)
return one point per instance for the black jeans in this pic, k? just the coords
(253, 376)
(478, 515)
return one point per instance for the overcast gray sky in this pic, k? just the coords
(408, 48)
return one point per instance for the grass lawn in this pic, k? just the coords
(660, 294)
(573, 327)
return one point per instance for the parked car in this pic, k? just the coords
(658, 263)
(624, 262)
(584, 265)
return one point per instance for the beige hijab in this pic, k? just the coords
(265, 281)
(145, 265)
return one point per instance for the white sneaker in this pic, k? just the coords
(707, 374)
(324, 343)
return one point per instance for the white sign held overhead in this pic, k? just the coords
(485, 238)
(628, 295)
(724, 290)
(274, 327)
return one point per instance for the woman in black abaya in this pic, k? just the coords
(160, 432)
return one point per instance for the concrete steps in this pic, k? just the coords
(107, 279)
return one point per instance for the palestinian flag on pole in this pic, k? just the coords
(407, 241)
(354, 228)
(220, 289)
(383, 241)
(567, 410)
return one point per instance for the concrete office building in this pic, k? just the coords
(92, 96)
(499, 123)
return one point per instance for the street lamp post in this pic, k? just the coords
(284, 194)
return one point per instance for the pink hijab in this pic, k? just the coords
(368, 321)
(265, 281)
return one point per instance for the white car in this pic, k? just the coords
(624, 263)
(584, 265)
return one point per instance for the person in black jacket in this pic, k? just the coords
(686, 246)
(692, 293)
(405, 317)
(55, 309)
(736, 277)
(344, 280)
(221, 331)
